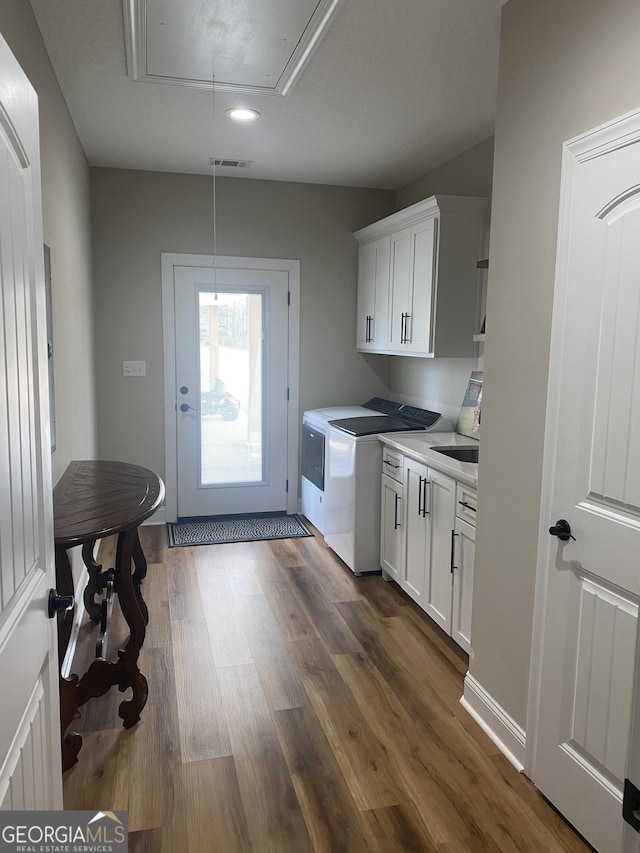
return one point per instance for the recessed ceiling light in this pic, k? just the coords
(242, 114)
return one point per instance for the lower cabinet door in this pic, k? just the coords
(463, 557)
(391, 528)
(418, 530)
(441, 504)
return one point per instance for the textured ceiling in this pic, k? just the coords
(394, 88)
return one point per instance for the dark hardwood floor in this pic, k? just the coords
(294, 707)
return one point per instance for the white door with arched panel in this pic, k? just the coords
(589, 578)
(30, 763)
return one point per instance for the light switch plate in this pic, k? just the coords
(134, 368)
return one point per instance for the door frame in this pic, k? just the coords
(600, 141)
(170, 260)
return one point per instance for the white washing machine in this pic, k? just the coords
(314, 428)
(353, 485)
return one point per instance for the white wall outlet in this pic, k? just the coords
(134, 368)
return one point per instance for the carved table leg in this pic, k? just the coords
(140, 562)
(93, 584)
(125, 587)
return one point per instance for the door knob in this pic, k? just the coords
(58, 603)
(562, 529)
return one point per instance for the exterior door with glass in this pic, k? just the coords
(231, 344)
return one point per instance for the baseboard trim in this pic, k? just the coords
(508, 736)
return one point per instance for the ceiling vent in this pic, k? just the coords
(228, 163)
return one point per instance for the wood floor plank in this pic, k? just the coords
(272, 812)
(203, 731)
(363, 760)
(153, 538)
(385, 598)
(333, 821)
(104, 781)
(398, 829)
(329, 624)
(155, 591)
(228, 642)
(185, 601)
(293, 622)
(420, 697)
(280, 681)
(146, 841)
(339, 582)
(155, 744)
(216, 815)
(428, 770)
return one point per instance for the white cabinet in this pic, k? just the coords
(462, 561)
(373, 295)
(428, 540)
(463, 553)
(413, 259)
(391, 529)
(417, 530)
(428, 253)
(442, 509)
(392, 519)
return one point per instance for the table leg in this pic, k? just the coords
(125, 587)
(140, 562)
(93, 585)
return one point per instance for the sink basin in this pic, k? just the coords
(461, 452)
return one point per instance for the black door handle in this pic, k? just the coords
(58, 603)
(562, 529)
(185, 408)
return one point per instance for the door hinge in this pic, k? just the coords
(287, 486)
(288, 297)
(287, 395)
(631, 805)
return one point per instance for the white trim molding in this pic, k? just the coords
(135, 29)
(508, 736)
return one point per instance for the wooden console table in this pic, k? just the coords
(93, 500)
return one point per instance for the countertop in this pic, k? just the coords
(417, 445)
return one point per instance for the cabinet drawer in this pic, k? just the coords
(392, 463)
(466, 502)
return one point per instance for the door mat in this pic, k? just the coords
(233, 528)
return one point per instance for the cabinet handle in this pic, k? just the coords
(453, 550)
(404, 328)
(396, 523)
(368, 336)
(467, 506)
(390, 464)
(420, 496)
(425, 483)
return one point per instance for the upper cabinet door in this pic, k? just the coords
(399, 290)
(373, 295)
(421, 283)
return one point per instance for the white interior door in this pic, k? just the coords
(590, 584)
(30, 765)
(231, 344)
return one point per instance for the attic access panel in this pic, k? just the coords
(253, 46)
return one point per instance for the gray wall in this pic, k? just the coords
(565, 67)
(470, 173)
(138, 215)
(66, 212)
